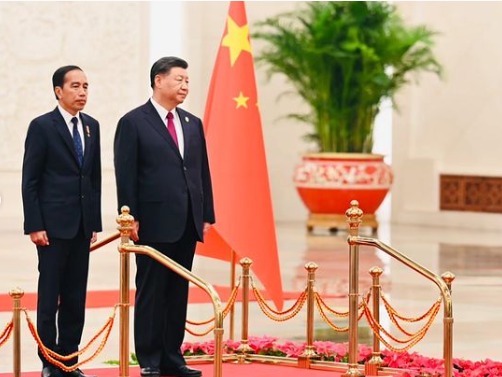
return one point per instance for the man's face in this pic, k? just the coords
(173, 87)
(73, 95)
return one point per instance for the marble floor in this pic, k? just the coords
(475, 257)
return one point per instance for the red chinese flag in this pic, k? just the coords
(244, 216)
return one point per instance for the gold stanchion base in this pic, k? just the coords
(335, 223)
(303, 362)
(371, 369)
(305, 359)
(353, 371)
(241, 359)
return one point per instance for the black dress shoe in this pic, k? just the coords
(50, 371)
(149, 372)
(76, 373)
(182, 371)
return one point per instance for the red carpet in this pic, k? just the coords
(100, 299)
(107, 299)
(233, 370)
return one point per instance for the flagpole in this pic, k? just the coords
(232, 287)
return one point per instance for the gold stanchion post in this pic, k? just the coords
(218, 343)
(232, 287)
(373, 365)
(309, 352)
(125, 221)
(16, 295)
(354, 215)
(244, 347)
(448, 278)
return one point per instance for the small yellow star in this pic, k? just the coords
(236, 39)
(241, 101)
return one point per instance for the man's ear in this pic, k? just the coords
(157, 81)
(58, 91)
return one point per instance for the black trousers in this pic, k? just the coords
(161, 303)
(62, 284)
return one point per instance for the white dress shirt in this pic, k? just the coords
(67, 118)
(177, 123)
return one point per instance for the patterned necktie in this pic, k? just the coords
(170, 127)
(77, 142)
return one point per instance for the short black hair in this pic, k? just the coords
(59, 75)
(164, 65)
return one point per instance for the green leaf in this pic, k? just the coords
(343, 59)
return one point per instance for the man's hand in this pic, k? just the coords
(135, 231)
(207, 226)
(40, 238)
(94, 237)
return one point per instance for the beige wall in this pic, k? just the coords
(450, 126)
(107, 40)
(447, 126)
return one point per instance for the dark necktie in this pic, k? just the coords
(77, 142)
(170, 127)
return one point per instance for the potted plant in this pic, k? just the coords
(343, 59)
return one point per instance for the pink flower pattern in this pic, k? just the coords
(412, 364)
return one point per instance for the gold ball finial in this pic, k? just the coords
(246, 262)
(125, 221)
(311, 266)
(125, 215)
(448, 277)
(354, 215)
(16, 293)
(376, 271)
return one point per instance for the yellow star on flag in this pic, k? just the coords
(241, 101)
(236, 39)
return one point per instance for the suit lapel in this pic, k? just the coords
(89, 136)
(63, 130)
(153, 119)
(186, 127)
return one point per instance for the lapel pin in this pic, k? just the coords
(87, 131)
(186, 119)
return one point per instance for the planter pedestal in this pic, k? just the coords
(334, 222)
(328, 182)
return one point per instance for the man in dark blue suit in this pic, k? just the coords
(61, 189)
(162, 174)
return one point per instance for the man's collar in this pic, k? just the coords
(66, 115)
(161, 109)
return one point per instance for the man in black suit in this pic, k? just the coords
(61, 189)
(163, 176)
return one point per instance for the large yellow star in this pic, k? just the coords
(241, 101)
(236, 39)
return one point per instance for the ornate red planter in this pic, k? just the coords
(327, 182)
